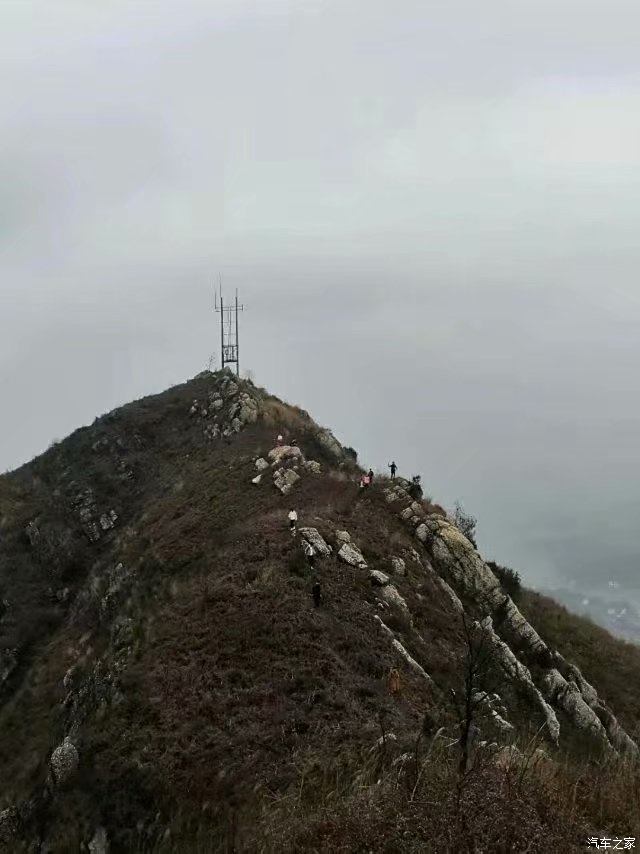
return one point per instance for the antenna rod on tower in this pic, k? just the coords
(237, 339)
(229, 337)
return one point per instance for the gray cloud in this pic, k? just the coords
(429, 208)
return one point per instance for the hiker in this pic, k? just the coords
(279, 440)
(293, 519)
(370, 476)
(393, 681)
(310, 553)
(364, 481)
(294, 443)
(393, 468)
(315, 592)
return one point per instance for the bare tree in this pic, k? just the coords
(465, 523)
(481, 678)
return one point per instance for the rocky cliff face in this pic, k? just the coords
(158, 637)
(458, 562)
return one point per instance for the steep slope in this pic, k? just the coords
(167, 683)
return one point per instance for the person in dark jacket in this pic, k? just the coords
(393, 468)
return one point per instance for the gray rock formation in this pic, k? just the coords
(385, 628)
(567, 696)
(398, 566)
(261, 464)
(378, 578)
(520, 675)
(348, 553)
(313, 466)
(330, 443)
(257, 479)
(285, 480)
(392, 597)
(311, 535)
(343, 537)
(64, 762)
(284, 452)
(413, 664)
(491, 706)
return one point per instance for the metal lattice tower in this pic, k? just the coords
(229, 330)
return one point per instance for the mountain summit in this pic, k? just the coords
(182, 669)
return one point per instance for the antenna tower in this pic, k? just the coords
(229, 329)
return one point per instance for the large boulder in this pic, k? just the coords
(353, 556)
(312, 536)
(284, 452)
(285, 480)
(64, 762)
(261, 464)
(378, 578)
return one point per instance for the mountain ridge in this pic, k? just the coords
(165, 675)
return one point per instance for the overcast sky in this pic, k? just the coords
(430, 208)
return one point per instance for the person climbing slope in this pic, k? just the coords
(293, 520)
(316, 593)
(393, 468)
(370, 476)
(310, 553)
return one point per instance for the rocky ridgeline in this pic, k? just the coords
(226, 410)
(465, 576)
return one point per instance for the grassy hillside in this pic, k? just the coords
(212, 706)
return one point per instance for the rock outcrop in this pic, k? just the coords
(312, 536)
(413, 664)
(64, 762)
(350, 554)
(390, 594)
(520, 676)
(567, 696)
(330, 444)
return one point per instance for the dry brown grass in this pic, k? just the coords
(245, 718)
